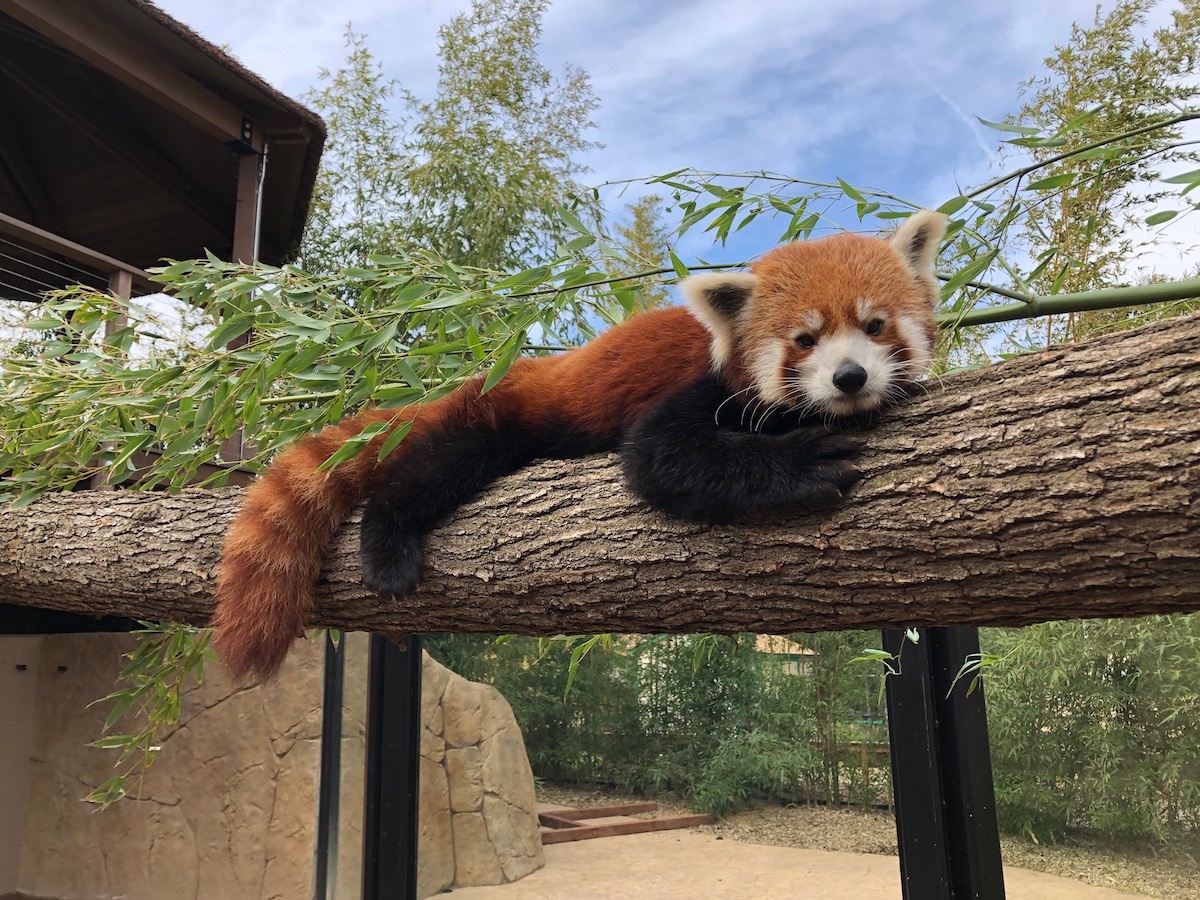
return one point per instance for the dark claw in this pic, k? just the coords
(831, 471)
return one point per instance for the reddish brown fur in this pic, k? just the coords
(830, 275)
(273, 550)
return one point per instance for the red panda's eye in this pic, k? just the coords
(806, 340)
(874, 326)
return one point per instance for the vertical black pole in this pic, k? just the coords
(916, 771)
(941, 770)
(392, 770)
(972, 833)
(328, 795)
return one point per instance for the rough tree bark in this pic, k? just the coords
(1057, 485)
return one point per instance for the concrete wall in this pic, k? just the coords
(19, 657)
(229, 810)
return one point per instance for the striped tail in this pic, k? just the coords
(272, 558)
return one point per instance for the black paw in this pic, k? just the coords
(828, 482)
(390, 554)
(394, 571)
(823, 443)
(829, 470)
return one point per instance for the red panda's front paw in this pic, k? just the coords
(826, 466)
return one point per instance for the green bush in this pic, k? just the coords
(1096, 725)
(707, 718)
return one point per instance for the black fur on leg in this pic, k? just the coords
(429, 478)
(434, 475)
(695, 456)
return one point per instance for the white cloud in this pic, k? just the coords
(880, 92)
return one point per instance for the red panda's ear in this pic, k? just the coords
(718, 296)
(716, 299)
(918, 240)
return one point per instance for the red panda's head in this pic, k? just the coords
(834, 326)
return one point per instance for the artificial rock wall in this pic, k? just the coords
(478, 811)
(229, 807)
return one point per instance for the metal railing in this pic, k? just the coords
(34, 261)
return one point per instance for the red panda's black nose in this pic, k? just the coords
(849, 378)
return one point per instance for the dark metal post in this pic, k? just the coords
(916, 770)
(329, 792)
(972, 833)
(392, 770)
(941, 770)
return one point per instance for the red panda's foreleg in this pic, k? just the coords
(698, 455)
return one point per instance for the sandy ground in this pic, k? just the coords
(684, 865)
(1134, 870)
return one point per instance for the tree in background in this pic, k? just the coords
(1092, 722)
(644, 239)
(1094, 726)
(473, 174)
(357, 206)
(1108, 80)
(496, 148)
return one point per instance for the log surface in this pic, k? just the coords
(1058, 485)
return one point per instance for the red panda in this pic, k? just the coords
(717, 409)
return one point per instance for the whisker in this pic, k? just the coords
(720, 406)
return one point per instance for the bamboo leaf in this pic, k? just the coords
(851, 192)
(1191, 177)
(1009, 129)
(353, 446)
(569, 219)
(677, 264)
(393, 440)
(950, 207)
(1054, 181)
(504, 363)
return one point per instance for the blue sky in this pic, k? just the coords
(878, 92)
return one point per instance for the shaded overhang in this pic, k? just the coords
(124, 131)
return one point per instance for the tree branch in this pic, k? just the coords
(1057, 485)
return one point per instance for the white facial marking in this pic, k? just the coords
(721, 349)
(815, 375)
(767, 370)
(811, 319)
(867, 312)
(919, 351)
(704, 293)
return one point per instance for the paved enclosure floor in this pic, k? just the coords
(686, 865)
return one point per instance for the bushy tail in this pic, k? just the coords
(273, 550)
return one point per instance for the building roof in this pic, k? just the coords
(123, 129)
(777, 643)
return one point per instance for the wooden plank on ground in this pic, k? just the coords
(551, 820)
(603, 812)
(636, 826)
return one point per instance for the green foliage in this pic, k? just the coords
(644, 240)
(90, 403)
(706, 717)
(747, 768)
(357, 206)
(475, 173)
(1111, 81)
(1096, 725)
(494, 150)
(150, 686)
